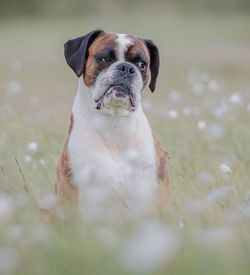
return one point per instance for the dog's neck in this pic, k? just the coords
(107, 125)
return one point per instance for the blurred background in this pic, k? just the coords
(78, 8)
(200, 111)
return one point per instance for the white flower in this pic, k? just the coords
(187, 111)
(173, 114)
(217, 236)
(95, 202)
(33, 101)
(27, 159)
(140, 197)
(213, 85)
(225, 169)
(201, 125)
(9, 259)
(197, 88)
(20, 200)
(7, 207)
(220, 194)
(241, 214)
(216, 131)
(153, 245)
(48, 201)
(230, 160)
(33, 146)
(181, 224)
(221, 110)
(14, 87)
(205, 178)
(235, 98)
(42, 161)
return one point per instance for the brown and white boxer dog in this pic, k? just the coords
(110, 151)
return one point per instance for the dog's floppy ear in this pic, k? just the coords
(154, 63)
(76, 51)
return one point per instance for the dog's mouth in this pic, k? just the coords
(116, 96)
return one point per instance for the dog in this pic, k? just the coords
(110, 144)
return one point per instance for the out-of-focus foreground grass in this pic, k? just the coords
(200, 111)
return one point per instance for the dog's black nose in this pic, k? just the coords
(127, 70)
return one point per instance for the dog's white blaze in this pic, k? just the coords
(123, 43)
(111, 156)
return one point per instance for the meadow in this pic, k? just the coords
(200, 111)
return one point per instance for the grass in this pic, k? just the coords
(201, 114)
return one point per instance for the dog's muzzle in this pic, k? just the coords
(119, 94)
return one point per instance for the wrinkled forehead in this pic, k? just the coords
(122, 44)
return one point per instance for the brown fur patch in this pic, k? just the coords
(65, 191)
(139, 48)
(162, 172)
(92, 67)
(64, 188)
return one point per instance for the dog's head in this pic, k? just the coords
(115, 67)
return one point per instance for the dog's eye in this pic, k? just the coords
(142, 65)
(106, 59)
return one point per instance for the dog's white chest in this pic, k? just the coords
(112, 160)
(94, 161)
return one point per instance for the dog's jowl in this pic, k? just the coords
(111, 159)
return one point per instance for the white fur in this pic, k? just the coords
(123, 43)
(113, 154)
(103, 81)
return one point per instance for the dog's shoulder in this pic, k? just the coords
(64, 187)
